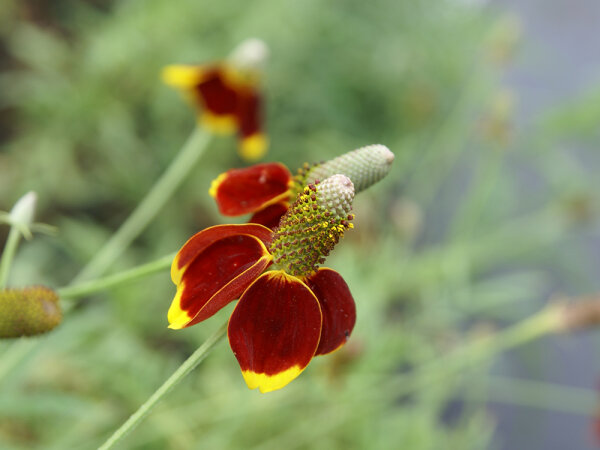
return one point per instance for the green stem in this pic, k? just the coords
(147, 209)
(543, 395)
(188, 365)
(100, 284)
(10, 249)
(545, 322)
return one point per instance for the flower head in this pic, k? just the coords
(226, 95)
(287, 315)
(28, 311)
(266, 190)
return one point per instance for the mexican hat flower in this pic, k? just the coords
(266, 190)
(289, 308)
(226, 95)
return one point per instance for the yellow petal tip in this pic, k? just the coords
(214, 185)
(267, 383)
(218, 124)
(254, 147)
(181, 76)
(177, 317)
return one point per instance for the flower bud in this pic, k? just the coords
(21, 215)
(28, 311)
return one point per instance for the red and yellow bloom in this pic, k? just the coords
(227, 96)
(284, 316)
(266, 190)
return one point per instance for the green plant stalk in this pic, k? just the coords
(10, 249)
(147, 209)
(100, 284)
(543, 323)
(543, 395)
(188, 365)
(137, 221)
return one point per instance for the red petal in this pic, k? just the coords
(271, 215)
(216, 93)
(337, 306)
(274, 330)
(242, 191)
(248, 114)
(198, 242)
(213, 268)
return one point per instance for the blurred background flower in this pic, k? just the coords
(491, 109)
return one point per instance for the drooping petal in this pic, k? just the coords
(253, 142)
(213, 268)
(337, 306)
(274, 330)
(271, 215)
(243, 191)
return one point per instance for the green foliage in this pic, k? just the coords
(454, 241)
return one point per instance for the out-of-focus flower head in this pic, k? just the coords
(226, 94)
(266, 190)
(28, 311)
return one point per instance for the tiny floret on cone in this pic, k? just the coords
(28, 311)
(313, 225)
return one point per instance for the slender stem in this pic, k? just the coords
(545, 322)
(543, 395)
(147, 209)
(188, 365)
(131, 228)
(100, 284)
(10, 249)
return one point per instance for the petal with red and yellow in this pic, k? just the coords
(337, 307)
(243, 191)
(211, 90)
(214, 267)
(274, 330)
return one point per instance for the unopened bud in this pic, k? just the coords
(21, 215)
(28, 311)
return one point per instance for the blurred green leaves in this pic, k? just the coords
(468, 229)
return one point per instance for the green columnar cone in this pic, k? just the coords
(28, 311)
(364, 167)
(313, 225)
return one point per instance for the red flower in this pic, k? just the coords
(227, 96)
(266, 190)
(284, 316)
